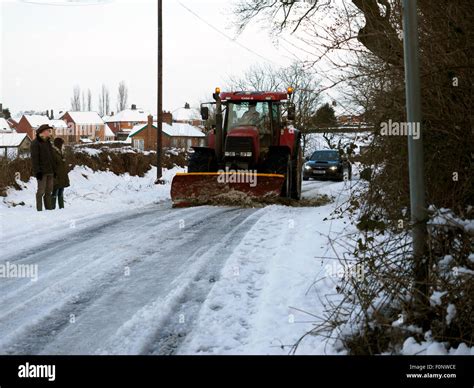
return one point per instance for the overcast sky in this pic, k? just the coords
(47, 49)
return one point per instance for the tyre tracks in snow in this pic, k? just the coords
(83, 303)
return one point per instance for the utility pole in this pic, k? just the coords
(159, 140)
(415, 148)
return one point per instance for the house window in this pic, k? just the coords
(139, 144)
(189, 143)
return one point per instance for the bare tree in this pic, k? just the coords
(89, 100)
(305, 97)
(104, 101)
(83, 101)
(257, 77)
(107, 101)
(76, 99)
(122, 96)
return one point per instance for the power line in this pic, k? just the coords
(224, 34)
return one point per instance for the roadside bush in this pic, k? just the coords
(100, 157)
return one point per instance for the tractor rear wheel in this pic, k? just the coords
(202, 160)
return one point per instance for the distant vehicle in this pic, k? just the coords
(327, 164)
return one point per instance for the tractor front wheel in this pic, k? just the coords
(279, 162)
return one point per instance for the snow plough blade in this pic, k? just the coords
(190, 189)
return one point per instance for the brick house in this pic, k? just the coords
(124, 121)
(29, 124)
(84, 127)
(177, 135)
(12, 123)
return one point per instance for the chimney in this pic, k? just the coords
(186, 106)
(149, 130)
(134, 107)
(167, 118)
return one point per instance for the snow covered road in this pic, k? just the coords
(157, 280)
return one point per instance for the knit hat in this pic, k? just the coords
(42, 128)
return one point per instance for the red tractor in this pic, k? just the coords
(252, 149)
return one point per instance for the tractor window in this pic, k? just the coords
(249, 113)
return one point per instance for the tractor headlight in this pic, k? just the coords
(229, 153)
(333, 168)
(246, 154)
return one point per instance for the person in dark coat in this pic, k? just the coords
(61, 179)
(43, 166)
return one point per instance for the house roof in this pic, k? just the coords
(175, 130)
(37, 120)
(129, 116)
(12, 139)
(58, 124)
(186, 114)
(90, 118)
(4, 126)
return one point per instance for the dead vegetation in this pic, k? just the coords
(238, 199)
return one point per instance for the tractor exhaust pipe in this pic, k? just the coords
(219, 124)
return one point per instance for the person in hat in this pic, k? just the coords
(43, 166)
(61, 179)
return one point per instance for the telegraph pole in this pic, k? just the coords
(159, 141)
(415, 147)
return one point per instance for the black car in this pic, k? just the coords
(327, 164)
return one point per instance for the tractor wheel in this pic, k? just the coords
(202, 160)
(279, 162)
(297, 172)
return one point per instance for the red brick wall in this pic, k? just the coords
(25, 127)
(149, 139)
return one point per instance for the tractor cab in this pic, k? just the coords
(250, 128)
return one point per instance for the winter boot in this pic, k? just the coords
(53, 202)
(39, 202)
(61, 201)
